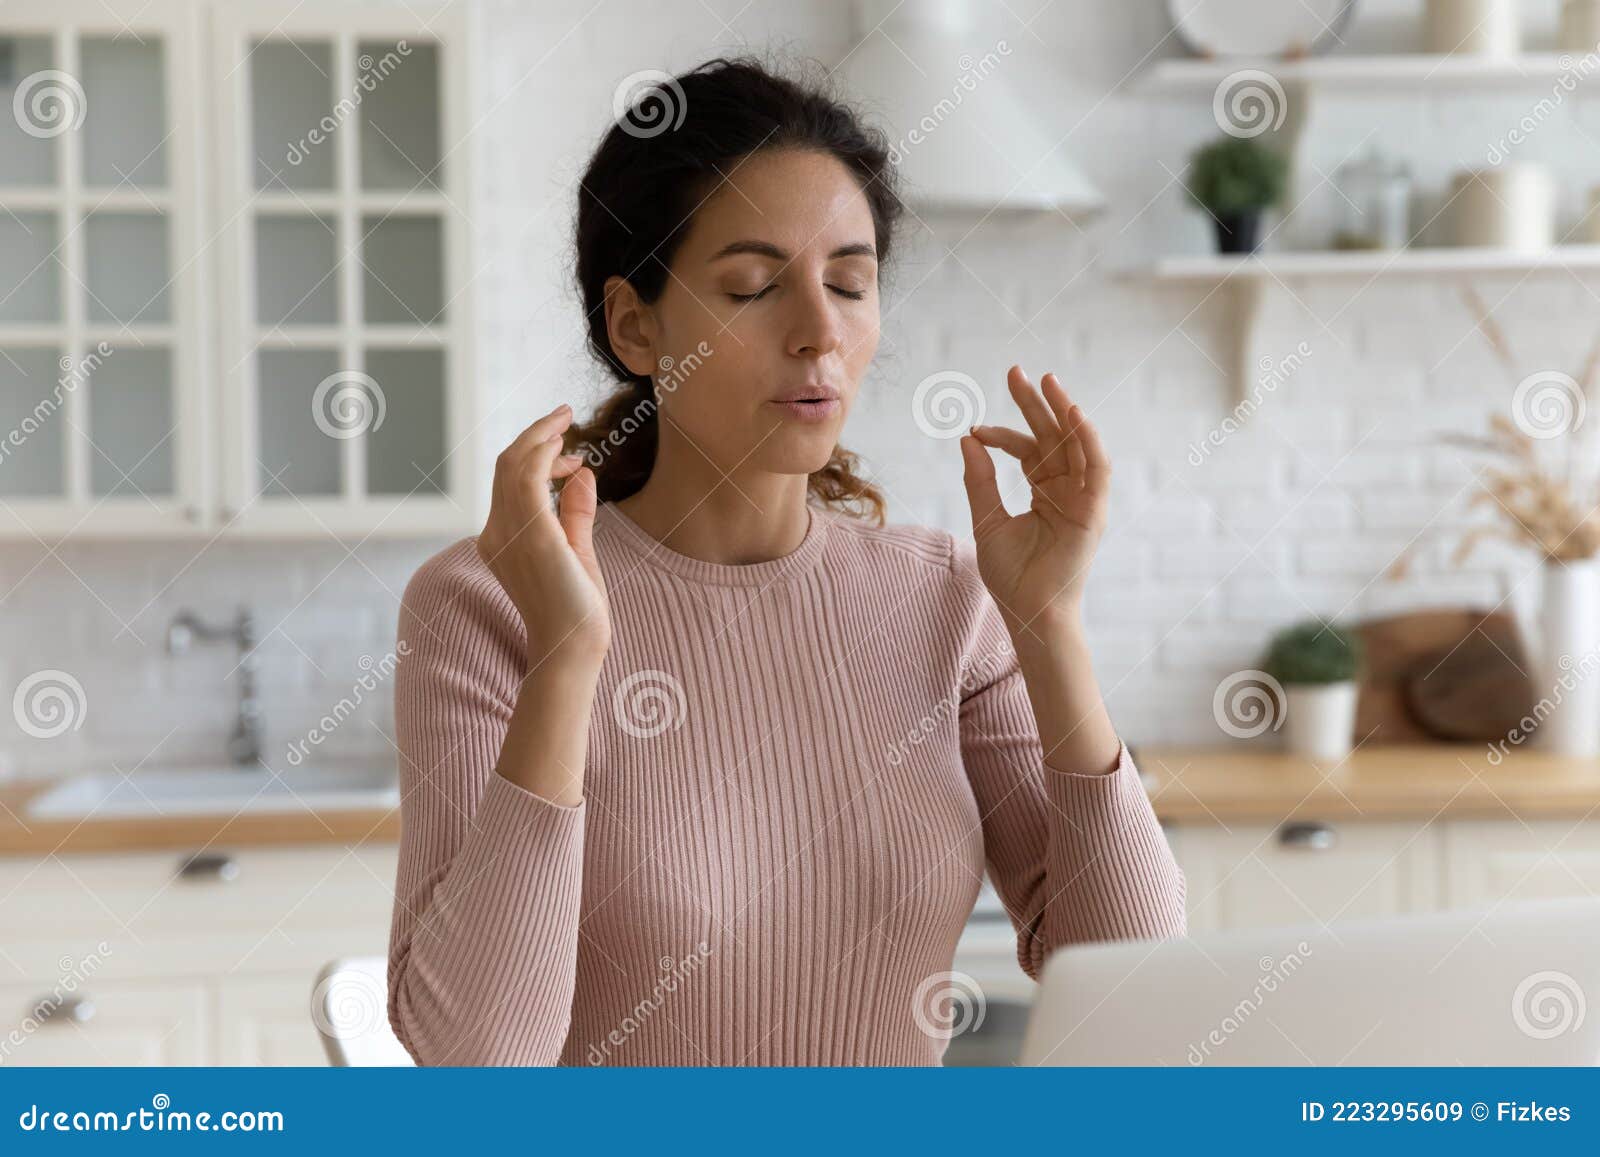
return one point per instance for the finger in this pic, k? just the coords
(983, 493)
(555, 421)
(1056, 395)
(539, 461)
(1061, 405)
(1040, 420)
(1020, 446)
(1013, 442)
(564, 465)
(1096, 463)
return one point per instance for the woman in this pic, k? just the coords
(701, 766)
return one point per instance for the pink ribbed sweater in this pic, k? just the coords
(797, 773)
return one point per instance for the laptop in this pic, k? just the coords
(1516, 984)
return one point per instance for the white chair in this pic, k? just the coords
(350, 1007)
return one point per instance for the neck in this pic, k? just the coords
(732, 522)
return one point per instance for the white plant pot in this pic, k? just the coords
(1567, 688)
(1320, 719)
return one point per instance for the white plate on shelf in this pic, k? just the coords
(1256, 28)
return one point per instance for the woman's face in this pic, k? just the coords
(773, 295)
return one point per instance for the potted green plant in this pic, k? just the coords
(1317, 664)
(1235, 179)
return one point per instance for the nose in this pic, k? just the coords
(815, 329)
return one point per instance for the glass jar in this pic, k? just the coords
(1375, 203)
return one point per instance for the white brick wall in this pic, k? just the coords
(1296, 513)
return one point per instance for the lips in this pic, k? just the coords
(809, 394)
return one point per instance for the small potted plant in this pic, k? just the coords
(1235, 179)
(1317, 663)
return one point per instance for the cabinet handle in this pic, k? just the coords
(1308, 837)
(73, 1010)
(209, 866)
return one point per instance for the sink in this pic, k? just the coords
(212, 790)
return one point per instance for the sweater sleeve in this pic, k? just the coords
(1074, 856)
(483, 940)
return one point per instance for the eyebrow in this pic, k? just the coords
(768, 249)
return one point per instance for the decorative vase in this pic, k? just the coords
(1320, 719)
(1569, 627)
(1236, 232)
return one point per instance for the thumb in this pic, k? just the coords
(576, 509)
(983, 492)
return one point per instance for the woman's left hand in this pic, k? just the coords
(1035, 564)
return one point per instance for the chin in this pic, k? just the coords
(799, 452)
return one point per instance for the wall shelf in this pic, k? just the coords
(1416, 262)
(1184, 76)
(1243, 280)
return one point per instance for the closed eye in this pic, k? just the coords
(850, 294)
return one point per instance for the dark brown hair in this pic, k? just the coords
(662, 157)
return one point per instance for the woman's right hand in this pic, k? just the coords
(546, 561)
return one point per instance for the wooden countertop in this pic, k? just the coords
(1221, 784)
(22, 835)
(1208, 785)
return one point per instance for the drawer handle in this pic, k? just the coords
(209, 866)
(1308, 837)
(71, 1010)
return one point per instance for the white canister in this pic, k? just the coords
(1509, 206)
(1473, 28)
(1580, 27)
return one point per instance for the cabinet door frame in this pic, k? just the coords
(242, 511)
(77, 512)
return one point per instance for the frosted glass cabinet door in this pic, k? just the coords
(27, 150)
(291, 101)
(124, 142)
(406, 453)
(348, 401)
(297, 456)
(131, 431)
(30, 270)
(128, 280)
(402, 260)
(400, 114)
(296, 270)
(31, 457)
(103, 278)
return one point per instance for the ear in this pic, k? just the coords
(631, 326)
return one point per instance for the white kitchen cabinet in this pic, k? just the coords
(1256, 875)
(104, 418)
(104, 1023)
(163, 958)
(1490, 861)
(265, 1020)
(235, 291)
(1305, 873)
(341, 187)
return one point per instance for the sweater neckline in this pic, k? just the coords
(610, 520)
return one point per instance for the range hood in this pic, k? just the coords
(963, 140)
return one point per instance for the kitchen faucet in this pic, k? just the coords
(244, 745)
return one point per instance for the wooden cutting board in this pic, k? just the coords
(1460, 675)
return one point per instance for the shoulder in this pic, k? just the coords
(942, 563)
(454, 591)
